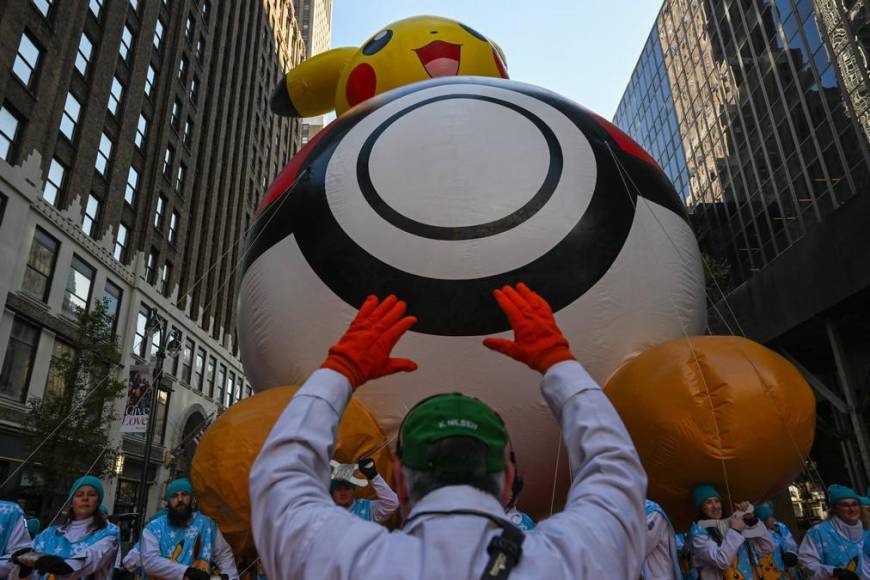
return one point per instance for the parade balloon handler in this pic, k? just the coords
(14, 535)
(84, 546)
(520, 519)
(726, 548)
(865, 512)
(833, 548)
(661, 561)
(786, 553)
(182, 543)
(377, 510)
(453, 473)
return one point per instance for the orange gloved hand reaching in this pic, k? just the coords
(363, 352)
(537, 342)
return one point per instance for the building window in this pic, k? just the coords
(70, 118)
(182, 69)
(194, 89)
(27, 60)
(231, 382)
(206, 10)
(115, 95)
(132, 186)
(61, 354)
(126, 43)
(158, 212)
(173, 227)
(18, 362)
(238, 394)
(151, 267)
(141, 323)
(158, 34)
(92, 214)
(165, 274)
(83, 57)
(8, 132)
(209, 376)
(189, 26)
(175, 114)
(200, 49)
(96, 7)
(199, 369)
(141, 131)
(134, 5)
(44, 7)
(219, 382)
(54, 181)
(187, 360)
(180, 174)
(168, 157)
(150, 75)
(78, 287)
(104, 153)
(40, 265)
(187, 135)
(162, 415)
(113, 296)
(120, 243)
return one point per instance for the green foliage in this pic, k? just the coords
(81, 394)
(717, 277)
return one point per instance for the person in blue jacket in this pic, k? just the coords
(834, 548)
(786, 553)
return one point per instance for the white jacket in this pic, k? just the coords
(301, 533)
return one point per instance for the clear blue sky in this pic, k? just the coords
(583, 49)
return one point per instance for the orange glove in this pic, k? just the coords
(537, 342)
(363, 353)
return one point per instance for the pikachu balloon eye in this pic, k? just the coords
(473, 32)
(377, 42)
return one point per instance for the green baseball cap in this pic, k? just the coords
(451, 415)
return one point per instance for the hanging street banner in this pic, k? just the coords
(139, 393)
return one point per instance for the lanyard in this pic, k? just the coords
(504, 550)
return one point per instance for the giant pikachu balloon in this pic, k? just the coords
(404, 52)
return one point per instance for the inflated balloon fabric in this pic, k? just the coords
(403, 52)
(226, 453)
(440, 192)
(707, 407)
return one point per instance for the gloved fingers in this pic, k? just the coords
(502, 345)
(401, 365)
(518, 301)
(514, 315)
(392, 334)
(371, 302)
(385, 306)
(533, 298)
(391, 316)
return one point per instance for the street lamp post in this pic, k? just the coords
(168, 344)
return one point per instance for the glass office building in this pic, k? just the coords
(759, 111)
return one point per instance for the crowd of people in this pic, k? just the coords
(457, 490)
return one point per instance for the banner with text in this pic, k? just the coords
(139, 393)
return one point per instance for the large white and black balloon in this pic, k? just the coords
(441, 191)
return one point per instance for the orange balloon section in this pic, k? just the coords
(714, 409)
(226, 453)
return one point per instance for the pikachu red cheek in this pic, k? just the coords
(361, 84)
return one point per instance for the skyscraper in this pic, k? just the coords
(315, 22)
(136, 141)
(759, 112)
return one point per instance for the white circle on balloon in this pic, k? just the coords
(461, 185)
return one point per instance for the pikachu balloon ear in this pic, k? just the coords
(309, 89)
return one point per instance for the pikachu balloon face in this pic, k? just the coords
(404, 52)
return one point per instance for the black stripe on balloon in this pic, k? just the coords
(453, 307)
(432, 232)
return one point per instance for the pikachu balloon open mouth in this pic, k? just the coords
(404, 52)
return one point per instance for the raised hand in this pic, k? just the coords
(537, 342)
(363, 352)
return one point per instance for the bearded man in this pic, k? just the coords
(183, 543)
